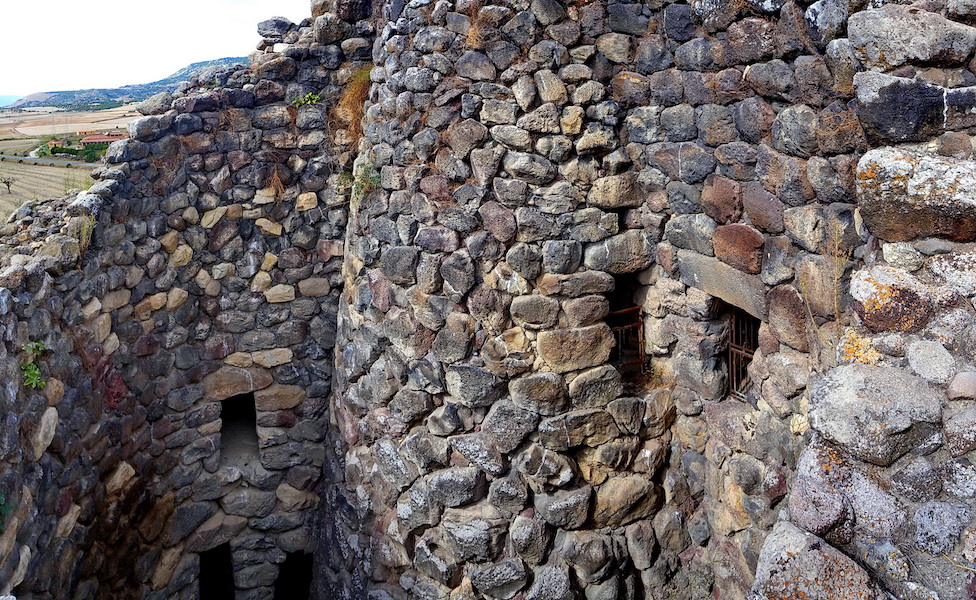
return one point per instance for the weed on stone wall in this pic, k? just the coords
(32, 371)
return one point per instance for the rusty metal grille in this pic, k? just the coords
(628, 331)
(743, 341)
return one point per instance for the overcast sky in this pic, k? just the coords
(51, 45)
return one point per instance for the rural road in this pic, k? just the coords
(49, 161)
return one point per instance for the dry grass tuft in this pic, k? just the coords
(352, 104)
(476, 37)
(275, 183)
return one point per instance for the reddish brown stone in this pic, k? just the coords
(233, 381)
(667, 258)
(498, 220)
(630, 89)
(788, 317)
(329, 248)
(768, 343)
(278, 397)
(764, 209)
(721, 199)
(739, 246)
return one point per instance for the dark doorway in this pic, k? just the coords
(626, 320)
(217, 574)
(239, 431)
(743, 342)
(295, 577)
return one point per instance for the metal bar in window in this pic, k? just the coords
(625, 354)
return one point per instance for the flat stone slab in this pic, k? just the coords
(718, 279)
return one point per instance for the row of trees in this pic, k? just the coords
(90, 153)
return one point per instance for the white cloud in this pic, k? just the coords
(67, 44)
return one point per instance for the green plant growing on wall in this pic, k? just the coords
(309, 98)
(32, 371)
(363, 180)
(367, 179)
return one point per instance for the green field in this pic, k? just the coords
(37, 182)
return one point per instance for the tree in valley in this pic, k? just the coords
(7, 180)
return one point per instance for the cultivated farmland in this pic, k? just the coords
(37, 182)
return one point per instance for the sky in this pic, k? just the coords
(52, 45)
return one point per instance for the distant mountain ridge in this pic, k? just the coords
(104, 97)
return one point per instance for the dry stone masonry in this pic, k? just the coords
(505, 299)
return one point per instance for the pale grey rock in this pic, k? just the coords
(938, 525)
(875, 413)
(792, 561)
(624, 253)
(890, 36)
(930, 361)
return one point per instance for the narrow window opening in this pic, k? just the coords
(626, 320)
(239, 431)
(217, 574)
(743, 342)
(295, 577)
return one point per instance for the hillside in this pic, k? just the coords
(92, 99)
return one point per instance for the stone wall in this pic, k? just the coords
(422, 312)
(532, 163)
(202, 266)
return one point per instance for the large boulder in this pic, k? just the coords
(875, 413)
(905, 195)
(566, 350)
(625, 253)
(899, 109)
(893, 35)
(796, 564)
(891, 299)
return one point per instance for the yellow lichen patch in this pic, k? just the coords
(855, 348)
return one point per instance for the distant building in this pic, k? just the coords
(99, 138)
(55, 144)
(87, 132)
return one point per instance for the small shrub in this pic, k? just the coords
(309, 98)
(275, 183)
(476, 37)
(32, 371)
(366, 180)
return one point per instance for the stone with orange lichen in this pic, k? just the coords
(904, 195)
(854, 348)
(817, 502)
(796, 565)
(891, 299)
